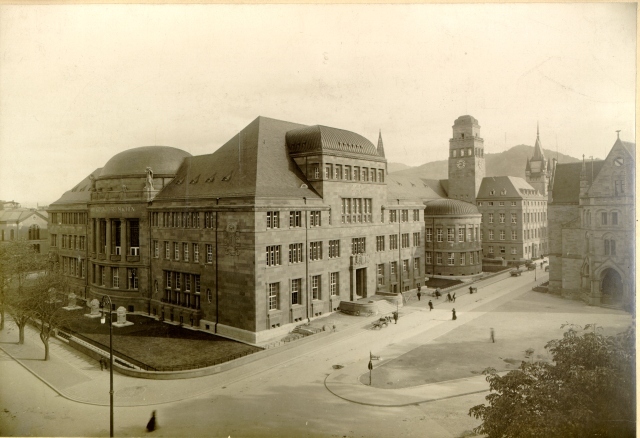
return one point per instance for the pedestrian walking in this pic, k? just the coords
(454, 317)
(101, 363)
(493, 335)
(430, 306)
(454, 297)
(419, 294)
(437, 294)
(449, 299)
(151, 425)
(395, 316)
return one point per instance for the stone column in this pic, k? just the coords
(108, 239)
(94, 235)
(124, 242)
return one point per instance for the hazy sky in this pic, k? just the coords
(79, 84)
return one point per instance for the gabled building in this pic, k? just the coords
(24, 223)
(592, 228)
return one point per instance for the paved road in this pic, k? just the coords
(280, 396)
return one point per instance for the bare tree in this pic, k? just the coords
(18, 261)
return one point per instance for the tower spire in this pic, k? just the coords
(380, 145)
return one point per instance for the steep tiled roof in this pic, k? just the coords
(254, 163)
(511, 186)
(444, 207)
(412, 187)
(323, 138)
(630, 147)
(20, 214)
(566, 181)
(380, 145)
(80, 194)
(163, 160)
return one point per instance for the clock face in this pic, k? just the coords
(618, 161)
(460, 164)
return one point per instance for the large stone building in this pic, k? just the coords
(29, 224)
(592, 228)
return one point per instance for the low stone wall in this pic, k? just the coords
(358, 309)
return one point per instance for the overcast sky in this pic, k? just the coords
(79, 84)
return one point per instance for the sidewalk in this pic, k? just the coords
(77, 377)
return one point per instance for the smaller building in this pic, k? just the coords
(24, 223)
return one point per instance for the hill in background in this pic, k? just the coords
(510, 162)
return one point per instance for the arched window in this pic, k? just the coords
(609, 247)
(209, 297)
(34, 232)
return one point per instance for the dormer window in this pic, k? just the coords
(503, 192)
(492, 192)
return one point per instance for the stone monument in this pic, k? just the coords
(94, 305)
(122, 318)
(72, 303)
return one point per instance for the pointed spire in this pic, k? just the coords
(583, 171)
(380, 146)
(528, 167)
(538, 154)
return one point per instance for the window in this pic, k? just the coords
(513, 250)
(333, 283)
(273, 255)
(338, 171)
(316, 171)
(273, 219)
(439, 258)
(115, 274)
(196, 253)
(64, 239)
(609, 247)
(132, 273)
(450, 234)
(461, 234)
(502, 218)
(490, 234)
(405, 266)
(315, 219)
(429, 234)
(503, 250)
(347, 173)
(373, 175)
(380, 274)
(405, 240)
(463, 258)
(502, 234)
(328, 171)
(490, 218)
(455, 153)
(405, 215)
(134, 237)
(393, 215)
(393, 268)
(365, 174)
(379, 243)
(416, 264)
(393, 241)
(356, 173)
(273, 290)
(185, 250)
(167, 280)
(209, 248)
(416, 215)
(295, 291)
(358, 245)
(209, 222)
(428, 258)
(334, 249)
(513, 218)
(491, 250)
(451, 260)
(295, 253)
(416, 239)
(156, 249)
(176, 250)
(295, 219)
(514, 235)
(501, 203)
(315, 251)
(614, 218)
(491, 203)
(187, 283)
(381, 175)
(315, 287)
(619, 188)
(514, 203)
(604, 218)
(439, 234)
(476, 233)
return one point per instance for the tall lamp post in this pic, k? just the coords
(105, 304)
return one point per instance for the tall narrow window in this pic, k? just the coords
(134, 237)
(333, 283)
(272, 290)
(273, 255)
(315, 287)
(295, 291)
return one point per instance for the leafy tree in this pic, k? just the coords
(588, 390)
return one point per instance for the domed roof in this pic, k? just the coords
(163, 160)
(451, 207)
(320, 138)
(466, 120)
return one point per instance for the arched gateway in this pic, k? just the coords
(611, 287)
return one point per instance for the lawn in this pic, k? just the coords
(441, 283)
(160, 345)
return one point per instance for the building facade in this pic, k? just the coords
(592, 229)
(30, 224)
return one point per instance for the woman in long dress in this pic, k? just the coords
(454, 317)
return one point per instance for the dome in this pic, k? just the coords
(323, 138)
(163, 160)
(449, 207)
(466, 120)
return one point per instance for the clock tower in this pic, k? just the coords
(466, 160)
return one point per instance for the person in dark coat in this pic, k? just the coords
(437, 294)
(454, 317)
(151, 425)
(470, 290)
(430, 306)
(449, 299)
(454, 297)
(419, 294)
(493, 335)
(395, 316)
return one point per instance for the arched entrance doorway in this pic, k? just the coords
(611, 287)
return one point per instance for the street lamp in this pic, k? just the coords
(106, 304)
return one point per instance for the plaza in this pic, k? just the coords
(409, 397)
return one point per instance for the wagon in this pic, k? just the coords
(516, 273)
